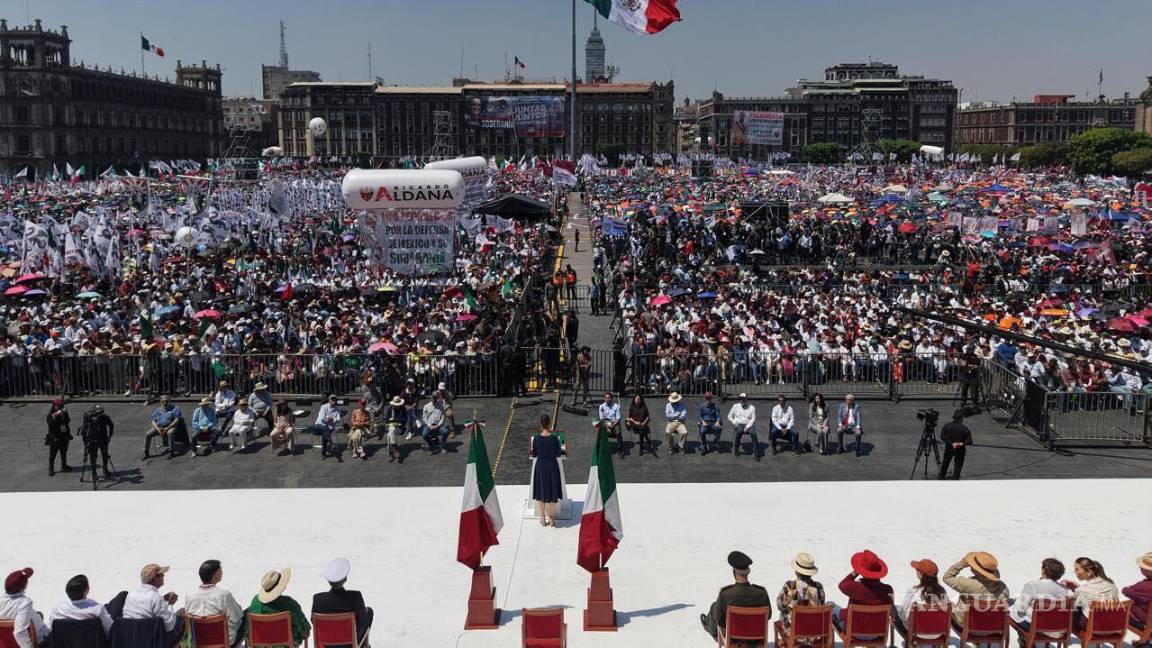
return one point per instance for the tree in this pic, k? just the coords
(823, 153)
(904, 149)
(1092, 150)
(1133, 163)
(1044, 155)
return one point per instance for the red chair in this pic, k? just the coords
(8, 637)
(1051, 624)
(271, 630)
(985, 622)
(811, 626)
(209, 631)
(335, 630)
(867, 626)
(544, 628)
(928, 625)
(744, 625)
(1107, 624)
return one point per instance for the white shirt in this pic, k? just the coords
(609, 412)
(82, 610)
(18, 608)
(209, 600)
(328, 411)
(225, 399)
(742, 415)
(244, 419)
(783, 417)
(1042, 588)
(148, 603)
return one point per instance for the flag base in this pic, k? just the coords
(600, 617)
(482, 611)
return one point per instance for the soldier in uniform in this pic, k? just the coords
(741, 593)
(97, 433)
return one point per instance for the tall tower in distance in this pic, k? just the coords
(594, 54)
(283, 48)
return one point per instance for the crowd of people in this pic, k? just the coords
(141, 614)
(974, 579)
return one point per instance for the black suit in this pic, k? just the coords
(339, 600)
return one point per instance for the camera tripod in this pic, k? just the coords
(927, 445)
(93, 454)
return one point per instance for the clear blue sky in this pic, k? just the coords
(993, 49)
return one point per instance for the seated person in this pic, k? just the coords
(1141, 592)
(804, 591)
(79, 607)
(784, 425)
(243, 426)
(435, 424)
(742, 593)
(168, 424)
(863, 586)
(361, 426)
(283, 432)
(210, 599)
(710, 423)
(337, 599)
(16, 607)
(148, 603)
(927, 591)
(328, 419)
(271, 600)
(204, 422)
(984, 583)
(225, 403)
(1046, 587)
(639, 421)
(260, 400)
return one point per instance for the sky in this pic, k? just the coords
(992, 50)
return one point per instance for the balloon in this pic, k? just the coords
(402, 189)
(186, 237)
(317, 127)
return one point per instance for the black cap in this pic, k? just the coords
(739, 560)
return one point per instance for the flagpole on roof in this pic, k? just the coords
(572, 134)
(142, 54)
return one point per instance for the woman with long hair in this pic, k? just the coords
(547, 486)
(638, 421)
(927, 591)
(1094, 585)
(818, 423)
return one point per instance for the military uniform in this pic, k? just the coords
(741, 594)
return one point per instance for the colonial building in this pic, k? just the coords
(1047, 118)
(684, 121)
(54, 113)
(249, 125)
(277, 77)
(396, 121)
(1144, 110)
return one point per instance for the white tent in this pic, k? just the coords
(834, 199)
(931, 150)
(896, 189)
(1080, 202)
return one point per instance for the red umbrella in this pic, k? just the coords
(16, 290)
(660, 300)
(1038, 241)
(454, 291)
(1147, 312)
(907, 227)
(210, 313)
(383, 346)
(466, 317)
(1138, 320)
(1121, 325)
(35, 276)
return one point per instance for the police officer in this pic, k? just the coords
(97, 433)
(969, 377)
(956, 437)
(741, 593)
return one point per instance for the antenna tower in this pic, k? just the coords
(442, 146)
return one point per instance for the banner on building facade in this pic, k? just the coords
(527, 116)
(756, 127)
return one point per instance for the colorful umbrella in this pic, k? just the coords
(1054, 312)
(16, 290)
(210, 313)
(387, 347)
(1121, 325)
(35, 292)
(660, 300)
(466, 317)
(88, 294)
(35, 276)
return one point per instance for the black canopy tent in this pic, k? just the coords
(514, 206)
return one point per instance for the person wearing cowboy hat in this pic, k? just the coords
(396, 418)
(984, 583)
(862, 585)
(742, 416)
(803, 591)
(1140, 593)
(225, 403)
(742, 593)
(675, 430)
(271, 600)
(146, 602)
(204, 421)
(262, 404)
(15, 606)
(243, 425)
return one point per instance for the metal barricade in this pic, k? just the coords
(1097, 417)
(925, 376)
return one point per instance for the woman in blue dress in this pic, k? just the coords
(547, 489)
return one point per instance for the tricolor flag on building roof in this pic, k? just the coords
(147, 46)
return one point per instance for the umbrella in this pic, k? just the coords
(907, 227)
(387, 289)
(707, 294)
(896, 188)
(466, 317)
(1080, 202)
(1121, 325)
(166, 310)
(16, 290)
(660, 300)
(35, 276)
(1146, 313)
(434, 337)
(210, 313)
(1054, 312)
(757, 252)
(88, 294)
(1138, 321)
(1085, 312)
(383, 346)
(676, 292)
(239, 308)
(35, 292)
(453, 291)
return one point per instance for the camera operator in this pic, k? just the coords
(970, 377)
(59, 434)
(97, 433)
(956, 437)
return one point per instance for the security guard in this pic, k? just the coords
(97, 433)
(956, 437)
(741, 593)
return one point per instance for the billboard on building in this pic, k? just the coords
(527, 116)
(756, 127)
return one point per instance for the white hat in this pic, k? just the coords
(336, 570)
(442, 386)
(674, 397)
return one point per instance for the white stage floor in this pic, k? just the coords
(402, 544)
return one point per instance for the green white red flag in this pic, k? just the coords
(638, 16)
(149, 46)
(480, 517)
(600, 526)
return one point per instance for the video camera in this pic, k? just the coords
(929, 416)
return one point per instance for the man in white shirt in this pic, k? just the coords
(675, 430)
(16, 607)
(225, 402)
(243, 426)
(148, 603)
(209, 599)
(435, 425)
(609, 413)
(327, 419)
(742, 416)
(784, 424)
(1046, 587)
(79, 607)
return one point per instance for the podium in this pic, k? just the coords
(482, 611)
(600, 617)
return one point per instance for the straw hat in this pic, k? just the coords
(207, 400)
(396, 401)
(273, 584)
(1145, 561)
(805, 564)
(260, 386)
(983, 564)
(674, 397)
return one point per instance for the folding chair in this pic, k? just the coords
(985, 622)
(208, 631)
(336, 630)
(1143, 635)
(67, 633)
(1107, 624)
(867, 626)
(744, 625)
(928, 625)
(1051, 624)
(8, 637)
(544, 628)
(811, 626)
(271, 630)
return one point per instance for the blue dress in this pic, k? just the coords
(546, 485)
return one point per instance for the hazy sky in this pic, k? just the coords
(993, 49)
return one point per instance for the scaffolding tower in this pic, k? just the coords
(443, 147)
(871, 119)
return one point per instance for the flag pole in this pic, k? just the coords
(572, 134)
(141, 54)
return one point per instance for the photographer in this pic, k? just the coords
(59, 434)
(969, 377)
(956, 437)
(97, 433)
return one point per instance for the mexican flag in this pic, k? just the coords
(600, 527)
(638, 16)
(480, 518)
(147, 46)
